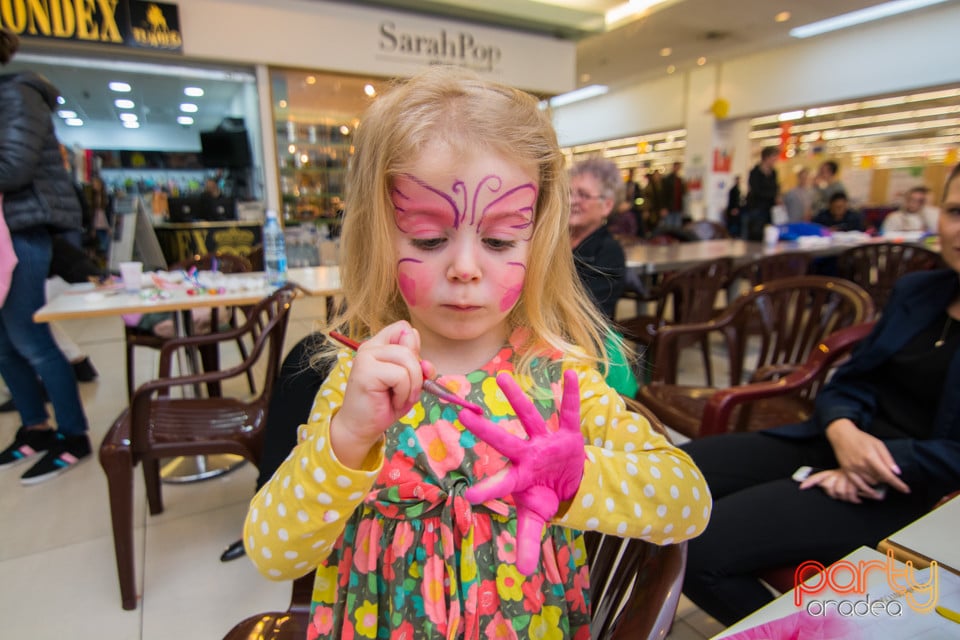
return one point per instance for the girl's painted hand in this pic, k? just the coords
(545, 469)
(385, 382)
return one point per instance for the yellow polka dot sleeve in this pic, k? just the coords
(297, 516)
(635, 483)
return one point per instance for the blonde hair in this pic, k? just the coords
(454, 106)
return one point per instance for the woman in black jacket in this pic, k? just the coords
(38, 201)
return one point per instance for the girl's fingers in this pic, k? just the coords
(507, 444)
(493, 488)
(528, 415)
(570, 404)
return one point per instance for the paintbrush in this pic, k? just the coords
(430, 386)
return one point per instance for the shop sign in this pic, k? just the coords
(131, 23)
(461, 48)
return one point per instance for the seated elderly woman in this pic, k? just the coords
(884, 442)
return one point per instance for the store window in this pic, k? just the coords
(315, 116)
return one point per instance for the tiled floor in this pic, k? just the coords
(57, 571)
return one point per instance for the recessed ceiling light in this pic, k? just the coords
(123, 103)
(184, 120)
(61, 100)
(311, 79)
(583, 93)
(783, 16)
(119, 87)
(133, 124)
(129, 117)
(189, 107)
(370, 90)
(671, 68)
(73, 122)
(282, 104)
(193, 92)
(666, 51)
(701, 61)
(66, 113)
(344, 129)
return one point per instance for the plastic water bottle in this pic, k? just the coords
(274, 251)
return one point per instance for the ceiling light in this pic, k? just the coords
(701, 61)
(629, 9)
(193, 92)
(311, 79)
(129, 117)
(184, 120)
(370, 90)
(671, 68)
(73, 122)
(583, 93)
(292, 148)
(61, 100)
(790, 115)
(666, 51)
(282, 104)
(344, 129)
(876, 12)
(119, 87)
(131, 124)
(189, 107)
(123, 103)
(66, 113)
(783, 16)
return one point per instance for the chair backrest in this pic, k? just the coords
(789, 317)
(265, 324)
(772, 267)
(692, 292)
(876, 267)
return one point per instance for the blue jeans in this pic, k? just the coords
(27, 349)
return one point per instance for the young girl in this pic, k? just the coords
(423, 520)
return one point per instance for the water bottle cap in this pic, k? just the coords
(271, 213)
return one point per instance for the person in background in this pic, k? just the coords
(839, 216)
(632, 204)
(825, 184)
(734, 205)
(38, 201)
(459, 196)
(799, 200)
(595, 187)
(653, 203)
(674, 192)
(884, 438)
(763, 191)
(101, 203)
(909, 217)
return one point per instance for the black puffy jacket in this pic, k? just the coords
(36, 188)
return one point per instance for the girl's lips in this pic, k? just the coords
(461, 307)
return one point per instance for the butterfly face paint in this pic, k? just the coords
(463, 226)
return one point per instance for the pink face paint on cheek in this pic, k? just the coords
(513, 285)
(413, 276)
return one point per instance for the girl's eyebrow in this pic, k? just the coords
(513, 219)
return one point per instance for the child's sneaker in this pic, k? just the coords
(26, 444)
(64, 454)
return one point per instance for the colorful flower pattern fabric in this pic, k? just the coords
(402, 555)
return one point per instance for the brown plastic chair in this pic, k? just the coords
(772, 267)
(690, 294)
(791, 317)
(158, 425)
(209, 357)
(634, 589)
(877, 267)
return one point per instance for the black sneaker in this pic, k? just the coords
(84, 371)
(63, 455)
(8, 406)
(26, 444)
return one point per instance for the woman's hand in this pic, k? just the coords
(545, 469)
(385, 382)
(842, 485)
(864, 456)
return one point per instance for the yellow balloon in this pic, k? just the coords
(720, 108)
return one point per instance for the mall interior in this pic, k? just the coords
(263, 99)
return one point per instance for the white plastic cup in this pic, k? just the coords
(132, 274)
(771, 235)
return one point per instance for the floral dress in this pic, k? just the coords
(401, 554)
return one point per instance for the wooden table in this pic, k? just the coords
(931, 537)
(88, 301)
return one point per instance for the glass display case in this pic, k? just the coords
(315, 115)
